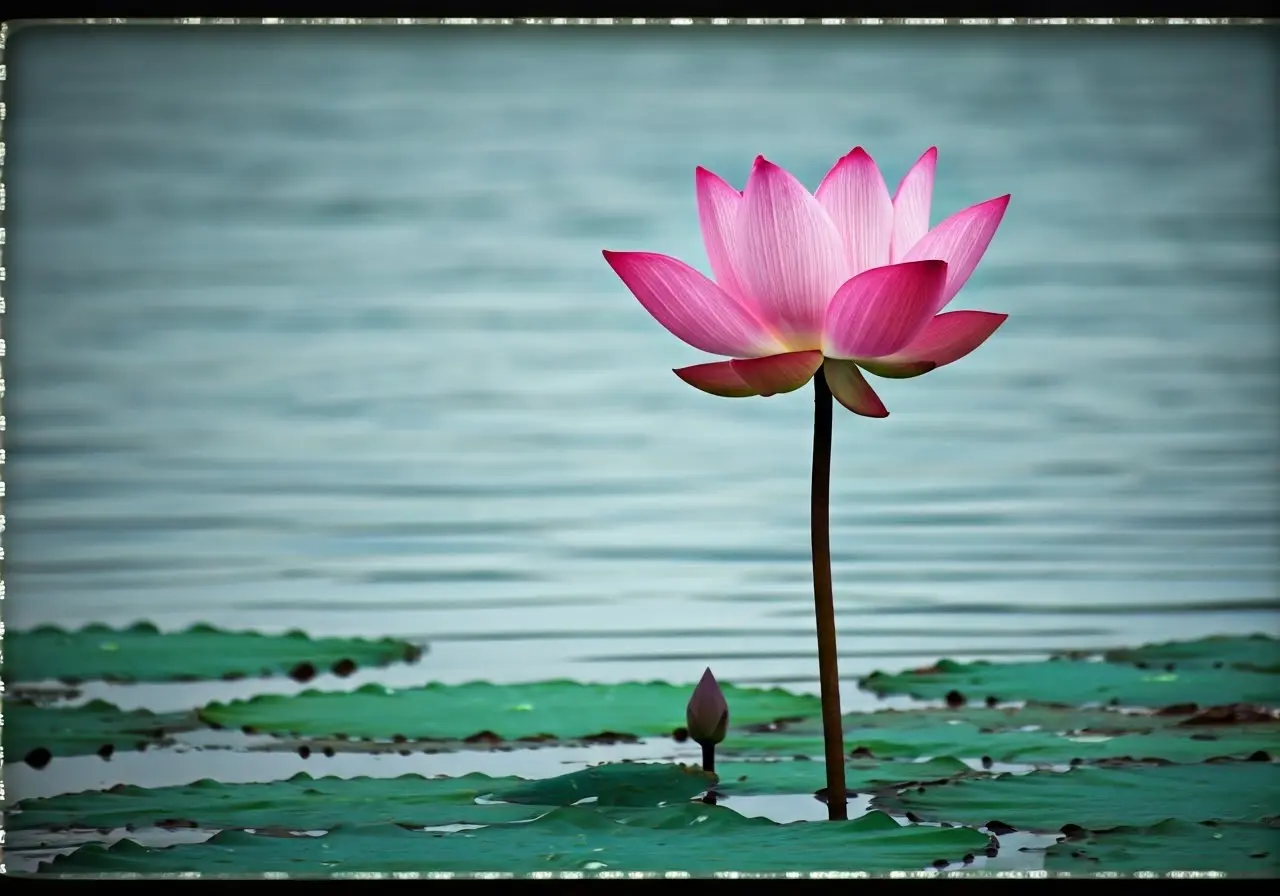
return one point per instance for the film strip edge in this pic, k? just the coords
(541, 21)
(629, 21)
(4, 35)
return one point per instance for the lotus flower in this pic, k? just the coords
(707, 715)
(846, 279)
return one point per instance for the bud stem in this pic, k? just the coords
(709, 765)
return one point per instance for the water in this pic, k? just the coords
(311, 330)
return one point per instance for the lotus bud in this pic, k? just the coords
(707, 715)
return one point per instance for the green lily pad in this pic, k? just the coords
(301, 803)
(1101, 798)
(1077, 682)
(861, 775)
(39, 733)
(1180, 845)
(557, 709)
(632, 784)
(1252, 652)
(143, 653)
(695, 838)
(647, 784)
(1032, 734)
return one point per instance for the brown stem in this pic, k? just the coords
(823, 604)
(709, 765)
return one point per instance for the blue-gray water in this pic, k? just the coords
(311, 330)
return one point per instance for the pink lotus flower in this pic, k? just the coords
(846, 279)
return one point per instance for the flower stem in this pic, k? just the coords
(709, 765)
(824, 606)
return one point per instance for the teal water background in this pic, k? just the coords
(310, 329)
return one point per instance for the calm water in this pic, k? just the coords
(312, 330)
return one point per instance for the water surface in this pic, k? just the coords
(311, 330)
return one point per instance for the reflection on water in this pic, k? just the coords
(314, 332)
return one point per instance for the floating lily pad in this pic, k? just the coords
(301, 803)
(39, 733)
(1180, 845)
(861, 775)
(632, 784)
(1252, 652)
(695, 838)
(650, 784)
(1077, 682)
(309, 746)
(1032, 734)
(1102, 798)
(558, 709)
(143, 653)
(311, 804)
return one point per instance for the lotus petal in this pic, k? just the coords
(960, 241)
(777, 374)
(692, 307)
(882, 310)
(787, 254)
(911, 204)
(849, 387)
(717, 378)
(946, 338)
(718, 205)
(855, 195)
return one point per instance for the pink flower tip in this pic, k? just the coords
(707, 715)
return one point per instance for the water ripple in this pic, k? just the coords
(343, 354)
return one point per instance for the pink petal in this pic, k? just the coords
(718, 378)
(960, 241)
(911, 204)
(851, 389)
(787, 253)
(881, 310)
(718, 205)
(778, 373)
(946, 338)
(854, 194)
(691, 306)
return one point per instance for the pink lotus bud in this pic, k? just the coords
(707, 715)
